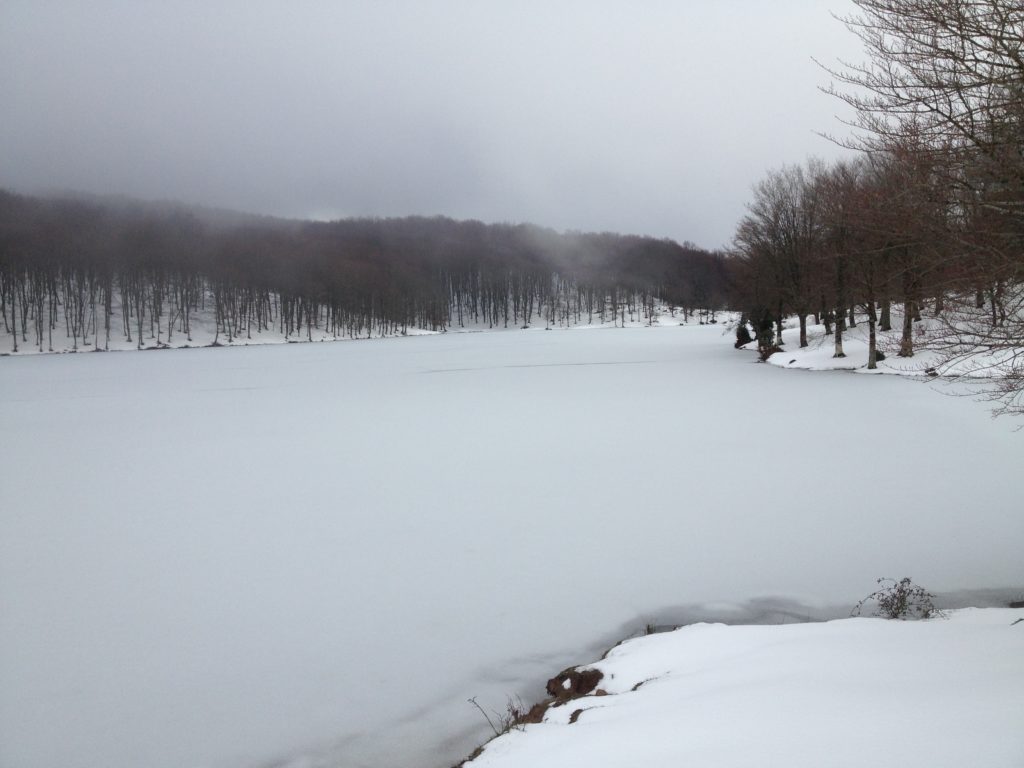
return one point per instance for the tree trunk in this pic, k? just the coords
(108, 311)
(14, 320)
(872, 341)
(803, 330)
(885, 322)
(998, 311)
(763, 332)
(907, 341)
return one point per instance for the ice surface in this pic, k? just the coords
(313, 554)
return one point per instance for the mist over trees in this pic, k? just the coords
(927, 218)
(929, 215)
(92, 270)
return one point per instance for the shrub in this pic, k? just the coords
(901, 599)
(742, 335)
(514, 717)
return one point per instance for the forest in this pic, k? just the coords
(72, 266)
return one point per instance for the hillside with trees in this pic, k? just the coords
(92, 270)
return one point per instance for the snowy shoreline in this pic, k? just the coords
(204, 332)
(739, 695)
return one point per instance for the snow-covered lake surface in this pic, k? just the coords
(313, 554)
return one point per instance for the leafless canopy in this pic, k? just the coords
(943, 75)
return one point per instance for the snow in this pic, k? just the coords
(203, 330)
(933, 352)
(314, 554)
(890, 694)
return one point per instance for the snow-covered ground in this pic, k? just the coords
(819, 353)
(942, 693)
(933, 354)
(314, 554)
(203, 331)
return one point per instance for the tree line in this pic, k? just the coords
(92, 269)
(930, 211)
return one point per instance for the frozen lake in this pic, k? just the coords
(313, 554)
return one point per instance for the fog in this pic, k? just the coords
(602, 115)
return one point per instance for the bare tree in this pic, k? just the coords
(941, 96)
(782, 234)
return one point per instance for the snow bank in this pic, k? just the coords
(855, 692)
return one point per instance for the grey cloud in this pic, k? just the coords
(651, 118)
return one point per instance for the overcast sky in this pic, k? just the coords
(643, 117)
